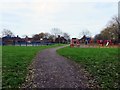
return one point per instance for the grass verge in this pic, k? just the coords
(15, 60)
(102, 63)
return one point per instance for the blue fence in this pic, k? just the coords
(27, 44)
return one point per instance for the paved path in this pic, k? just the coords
(50, 70)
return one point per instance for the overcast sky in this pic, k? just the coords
(28, 17)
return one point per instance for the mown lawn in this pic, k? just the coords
(102, 63)
(15, 60)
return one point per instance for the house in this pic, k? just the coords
(85, 40)
(60, 40)
(8, 40)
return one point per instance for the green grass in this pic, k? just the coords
(102, 63)
(15, 60)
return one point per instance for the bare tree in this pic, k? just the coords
(36, 37)
(116, 22)
(41, 35)
(52, 38)
(47, 35)
(66, 36)
(114, 27)
(56, 31)
(7, 32)
(84, 32)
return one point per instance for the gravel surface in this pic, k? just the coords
(50, 70)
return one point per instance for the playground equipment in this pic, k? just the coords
(89, 42)
(104, 42)
(74, 42)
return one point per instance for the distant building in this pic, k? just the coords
(8, 40)
(85, 39)
(60, 40)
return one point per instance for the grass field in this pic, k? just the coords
(102, 63)
(15, 60)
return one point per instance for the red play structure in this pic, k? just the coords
(104, 42)
(74, 42)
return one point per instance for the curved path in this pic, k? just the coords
(50, 70)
